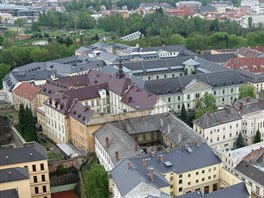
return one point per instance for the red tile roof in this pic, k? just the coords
(247, 52)
(255, 65)
(27, 91)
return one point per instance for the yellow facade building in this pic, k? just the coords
(33, 157)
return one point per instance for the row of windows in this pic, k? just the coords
(35, 178)
(34, 167)
(44, 189)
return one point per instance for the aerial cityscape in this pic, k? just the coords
(132, 99)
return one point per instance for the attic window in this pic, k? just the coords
(74, 112)
(83, 118)
(44, 89)
(130, 98)
(79, 115)
(169, 91)
(49, 91)
(95, 82)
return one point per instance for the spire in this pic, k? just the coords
(120, 72)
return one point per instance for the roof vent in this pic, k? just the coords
(167, 164)
(31, 154)
(7, 157)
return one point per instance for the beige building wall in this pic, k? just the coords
(30, 104)
(22, 186)
(222, 136)
(39, 177)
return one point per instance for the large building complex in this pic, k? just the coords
(71, 105)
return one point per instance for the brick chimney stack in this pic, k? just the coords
(160, 157)
(129, 166)
(151, 174)
(145, 163)
(117, 156)
(107, 142)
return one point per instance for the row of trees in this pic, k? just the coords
(27, 123)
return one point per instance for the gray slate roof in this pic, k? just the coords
(172, 64)
(251, 172)
(12, 193)
(234, 191)
(54, 68)
(181, 160)
(13, 174)
(30, 152)
(250, 76)
(218, 58)
(171, 127)
(215, 118)
(178, 84)
(196, 194)
(118, 141)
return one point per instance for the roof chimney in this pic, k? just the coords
(179, 137)
(151, 174)
(145, 163)
(160, 158)
(169, 128)
(117, 156)
(136, 147)
(129, 166)
(107, 142)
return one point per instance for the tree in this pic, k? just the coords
(96, 181)
(4, 70)
(19, 22)
(247, 90)
(39, 55)
(240, 141)
(205, 104)
(257, 137)
(183, 113)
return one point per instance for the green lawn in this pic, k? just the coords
(13, 114)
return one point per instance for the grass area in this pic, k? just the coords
(55, 156)
(95, 31)
(13, 114)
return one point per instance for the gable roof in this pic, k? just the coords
(247, 52)
(235, 191)
(210, 119)
(255, 65)
(27, 91)
(171, 127)
(118, 141)
(31, 151)
(251, 172)
(181, 161)
(13, 174)
(178, 84)
(12, 193)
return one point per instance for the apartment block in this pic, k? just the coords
(15, 181)
(31, 163)
(174, 172)
(118, 140)
(187, 90)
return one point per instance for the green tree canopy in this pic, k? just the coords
(96, 181)
(183, 113)
(240, 141)
(247, 90)
(4, 70)
(257, 137)
(205, 104)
